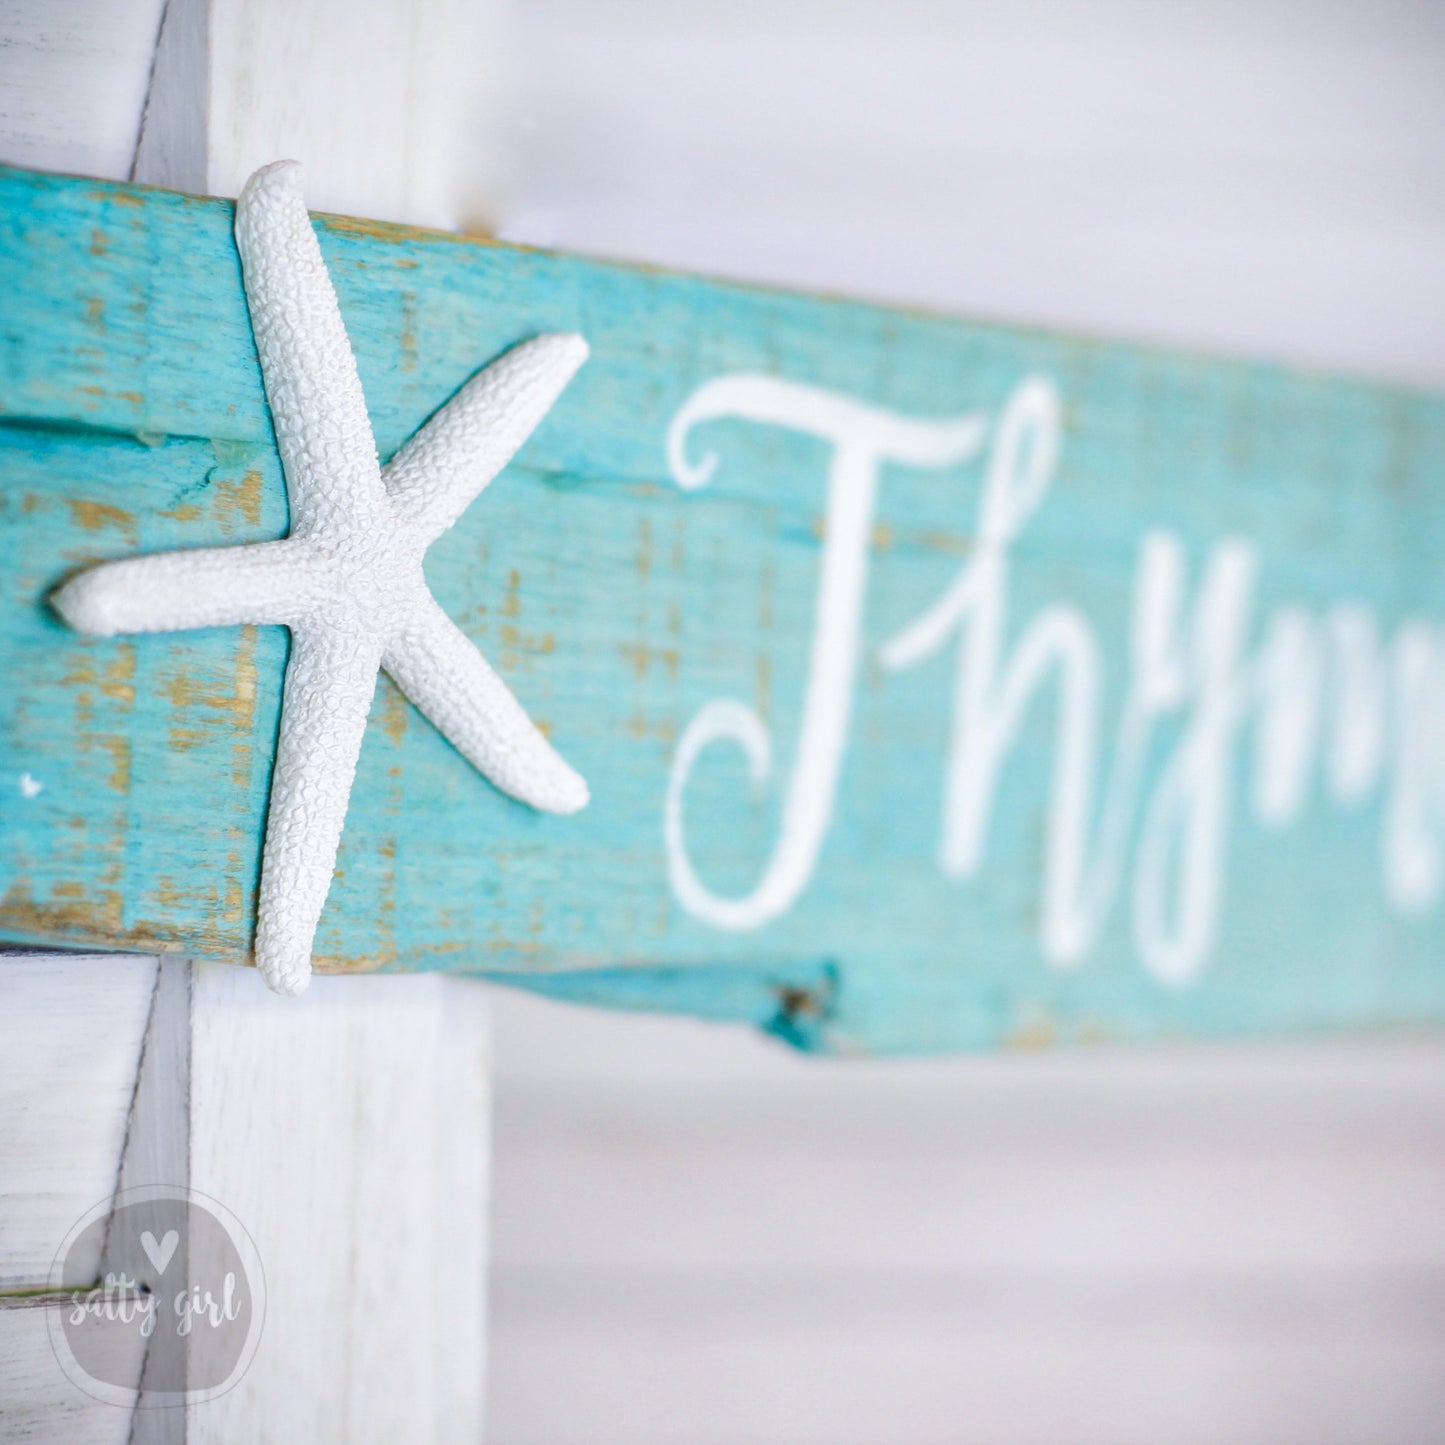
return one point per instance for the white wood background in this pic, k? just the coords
(347, 1130)
(700, 1238)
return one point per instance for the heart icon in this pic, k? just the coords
(160, 1254)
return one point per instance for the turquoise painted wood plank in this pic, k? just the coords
(1103, 688)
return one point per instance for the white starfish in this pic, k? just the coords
(348, 579)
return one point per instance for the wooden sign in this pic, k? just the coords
(938, 684)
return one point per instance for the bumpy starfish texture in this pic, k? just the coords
(348, 579)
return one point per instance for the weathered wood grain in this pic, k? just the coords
(367, 1205)
(73, 82)
(617, 605)
(71, 1031)
(39, 1402)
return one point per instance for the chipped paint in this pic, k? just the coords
(238, 501)
(94, 516)
(392, 709)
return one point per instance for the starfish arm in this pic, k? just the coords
(330, 680)
(173, 591)
(436, 476)
(317, 407)
(437, 667)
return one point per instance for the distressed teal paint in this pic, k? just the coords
(616, 605)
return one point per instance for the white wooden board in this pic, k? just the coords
(38, 1403)
(349, 1134)
(389, 106)
(73, 79)
(369, 1209)
(70, 1042)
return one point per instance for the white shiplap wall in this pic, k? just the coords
(700, 1238)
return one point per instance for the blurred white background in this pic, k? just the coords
(701, 1238)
